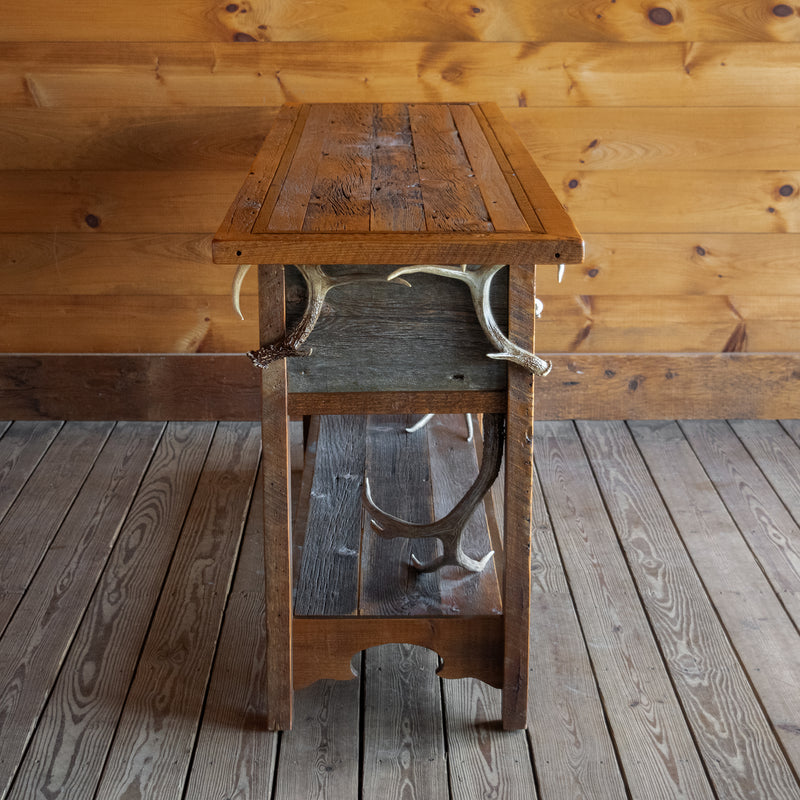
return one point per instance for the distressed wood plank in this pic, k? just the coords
(235, 755)
(32, 523)
(68, 751)
(777, 457)
(498, 198)
(572, 746)
(763, 519)
(340, 196)
(754, 619)
(741, 755)
(396, 196)
(37, 638)
(450, 194)
(329, 571)
(404, 752)
(277, 502)
(166, 696)
(655, 747)
(398, 469)
(22, 446)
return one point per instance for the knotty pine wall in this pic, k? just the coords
(670, 131)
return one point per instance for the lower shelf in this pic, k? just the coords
(354, 589)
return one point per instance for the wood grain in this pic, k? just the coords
(37, 638)
(34, 520)
(626, 660)
(381, 20)
(234, 754)
(741, 754)
(517, 509)
(582, 386)
(756, 622)
(165, 697)
(67, 753)
(571, 743)
(557, 74)
(276, 470)
(765, 522)
(22, 446)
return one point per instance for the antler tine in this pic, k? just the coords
(479, 281)
(450, 528)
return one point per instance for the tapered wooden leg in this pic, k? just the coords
(277, 509)
(519, 483)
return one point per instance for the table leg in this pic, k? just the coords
(277, 508)
(519, 483)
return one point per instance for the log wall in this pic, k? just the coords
(669, 132)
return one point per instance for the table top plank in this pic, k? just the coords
(340, 196)
(396, 194)
(498, 198)
(394, 183)
(291, 203)
(452, 200)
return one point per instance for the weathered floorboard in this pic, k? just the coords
(758, 626)
(153, 744)
(674, 570)
(68, 751)
(39, 634)
(654, 744)
(741, 755)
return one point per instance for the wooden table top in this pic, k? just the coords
(393, 183)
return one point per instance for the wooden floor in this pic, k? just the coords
(666, 603)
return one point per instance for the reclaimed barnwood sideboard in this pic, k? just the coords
(396, 247)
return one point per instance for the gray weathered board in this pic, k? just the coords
(380, 336)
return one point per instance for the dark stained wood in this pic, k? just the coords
(740, 753)
(21, 447)
(581, 386)
(421, 338)
(166, 695)
(398, 470)
(74, 734)
(39, 634)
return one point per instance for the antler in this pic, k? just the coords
(318, 284)
(479, 281)
(450, 528)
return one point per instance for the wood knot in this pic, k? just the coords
(660, 16)
(782, 10)
(92, 221)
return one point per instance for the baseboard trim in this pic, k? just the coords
(226, 386)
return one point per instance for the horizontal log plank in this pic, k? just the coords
(384, 20)
(600, 201)
(713, 138)
(581, 386)
(616, 264)
(204, 138)
(604, 323)
(110, 74)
